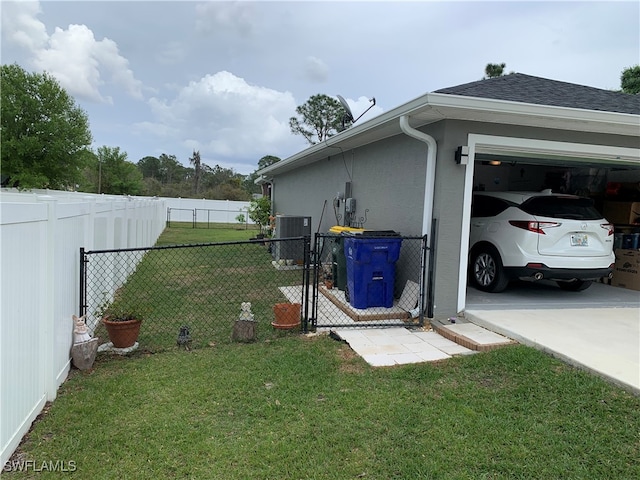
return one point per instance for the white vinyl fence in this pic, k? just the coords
(41, 233)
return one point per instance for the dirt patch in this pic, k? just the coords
(349, 360)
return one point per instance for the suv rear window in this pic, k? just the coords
(576, 208)
(485, 206)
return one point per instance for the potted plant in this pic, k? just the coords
(122, 323)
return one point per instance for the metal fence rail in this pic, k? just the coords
(201, 286)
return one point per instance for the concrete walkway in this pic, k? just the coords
(383, 347)
(605, 341)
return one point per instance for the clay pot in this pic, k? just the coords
(287, 315)
(123, 334)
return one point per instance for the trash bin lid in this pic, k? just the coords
(341, 229)
(374, 233)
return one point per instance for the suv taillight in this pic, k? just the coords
(608, 226)
(535, 227)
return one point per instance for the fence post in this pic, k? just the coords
(307, 268)
(89, 223)
(82, 310)
(431, 276)
(47, 333)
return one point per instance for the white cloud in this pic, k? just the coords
(21, 27)
(73, 56)
(68, 58)
(109, 59)
(224, 116)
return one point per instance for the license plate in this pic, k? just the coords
(580, 240)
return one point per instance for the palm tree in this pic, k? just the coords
(197, 165)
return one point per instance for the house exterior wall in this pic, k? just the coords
(388, 179)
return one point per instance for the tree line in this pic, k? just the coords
(46, 143)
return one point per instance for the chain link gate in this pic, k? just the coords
(389, 291)
(200, 286)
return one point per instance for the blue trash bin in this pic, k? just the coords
(371, 267)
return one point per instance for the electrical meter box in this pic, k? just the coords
(350, 205)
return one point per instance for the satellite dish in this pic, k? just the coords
(348, 116)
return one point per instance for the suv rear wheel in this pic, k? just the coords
(487, 272)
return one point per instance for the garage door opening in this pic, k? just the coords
(612, 182)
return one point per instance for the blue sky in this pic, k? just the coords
(224, 77)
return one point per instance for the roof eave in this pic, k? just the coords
(433, 107)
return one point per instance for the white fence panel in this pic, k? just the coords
(41, 234)
(23, 333)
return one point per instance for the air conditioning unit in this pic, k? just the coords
(290, 226)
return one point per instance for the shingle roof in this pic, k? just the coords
(517, 87)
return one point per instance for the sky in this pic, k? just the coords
(223, 78)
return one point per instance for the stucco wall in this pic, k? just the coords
(386, 178)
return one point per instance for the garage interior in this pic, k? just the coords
(615, 190)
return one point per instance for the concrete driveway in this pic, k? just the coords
(598, 329)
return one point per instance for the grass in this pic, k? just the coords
(306, 407)
(182, 233)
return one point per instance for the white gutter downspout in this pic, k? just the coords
(430, 180)
(429, 187)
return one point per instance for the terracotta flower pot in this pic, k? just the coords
(122, 334)
(287, 315)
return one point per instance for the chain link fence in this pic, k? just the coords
(208, 218)
(201, 287)
(372, 281)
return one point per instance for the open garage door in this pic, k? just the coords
(519, 164)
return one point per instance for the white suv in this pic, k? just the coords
(537, 235)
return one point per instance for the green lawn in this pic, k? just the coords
(306, 407)
(183, 233)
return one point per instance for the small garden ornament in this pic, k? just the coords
(244, 330)
(84, 349)
(184, 337)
